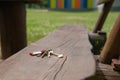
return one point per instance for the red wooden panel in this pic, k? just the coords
(77, 3)
(60, 3)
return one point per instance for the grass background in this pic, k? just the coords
(42, 22)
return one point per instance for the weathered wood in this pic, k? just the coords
(116, 64)
(78, 62)
(104, 72)
(103, 16)
(112, 47)
(13, 28)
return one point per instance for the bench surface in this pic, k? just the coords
(71, 40)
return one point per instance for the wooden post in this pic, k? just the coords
(112, 47)
(102, 1)
(103, 16)
(13, 27)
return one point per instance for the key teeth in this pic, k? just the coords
(58, 55)
(61, 56)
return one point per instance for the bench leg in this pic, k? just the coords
(112, 47)
(13, 28)
(103, 16)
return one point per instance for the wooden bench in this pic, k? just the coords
(71, 40)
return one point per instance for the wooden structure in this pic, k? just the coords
(104, 72)
(111, 49)
(13, 26)
(71, 40)
(77, 64)
(103, 15)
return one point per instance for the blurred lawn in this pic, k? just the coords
(42, 22)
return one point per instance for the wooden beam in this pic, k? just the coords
(103, 16)
(103, 1)
(112, 47)
(78, 62)
(13, 28)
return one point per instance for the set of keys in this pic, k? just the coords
(44, 53)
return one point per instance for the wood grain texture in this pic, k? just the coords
(105, 72)
(77, 64)
(12, 28)
(111, 49)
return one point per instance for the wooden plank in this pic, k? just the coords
(53, 4)
(83, 4)
(71, 40)
(13, 28)
(69, 4)
(116, 64)
(90, 4)
(105, 72)
(77, 4)
(60, 4)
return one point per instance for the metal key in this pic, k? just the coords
(58, 55)
(47, 53)
(44, 54)
(50, 52)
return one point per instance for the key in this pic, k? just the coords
(44, 54)
(50, 52)
(36, 53)
(58, 55)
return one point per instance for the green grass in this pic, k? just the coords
(42, 22)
